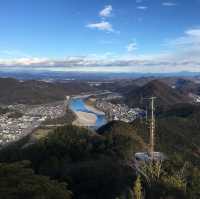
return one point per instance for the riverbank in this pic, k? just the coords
(90, 105)
(84, 119)
(86, 115)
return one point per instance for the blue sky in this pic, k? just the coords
(100, 35)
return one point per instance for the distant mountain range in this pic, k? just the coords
(48, 75)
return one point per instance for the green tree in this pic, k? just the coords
(161, 184)
(193, 191)
(137, 189)
(18, 181)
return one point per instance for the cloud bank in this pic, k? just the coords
(181, 54)
(153, 63)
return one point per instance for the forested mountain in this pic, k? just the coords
(91, 164)
(37, 92)
(166, 96)
(18, 181)
(187, 86)
(177, 132)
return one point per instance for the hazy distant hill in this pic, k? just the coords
(32, 74)
(35, 92)
(124, 85)
(166, 96)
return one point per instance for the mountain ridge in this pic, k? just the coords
(166, 96)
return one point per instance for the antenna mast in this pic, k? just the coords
(152, 128)
(152, 156)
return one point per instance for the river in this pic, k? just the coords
(78, 104)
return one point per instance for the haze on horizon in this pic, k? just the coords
(100, 36)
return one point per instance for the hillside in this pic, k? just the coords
(166, 96)
(98, 166)
(18, 181)
(91, 164)
(177, 133)
(37, 92)
(187, 86)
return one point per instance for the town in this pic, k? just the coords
(20, 120)
(119, 112)
(115, 111)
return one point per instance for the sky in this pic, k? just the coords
(159, 36)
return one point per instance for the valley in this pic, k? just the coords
(105, 125)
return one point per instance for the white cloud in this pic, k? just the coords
(190, 40)
(169, 4)
(131, 47)
(139, 1)
(186, 47)
(193, 32)
(106, 12)
(142, 7)
(103, 25)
